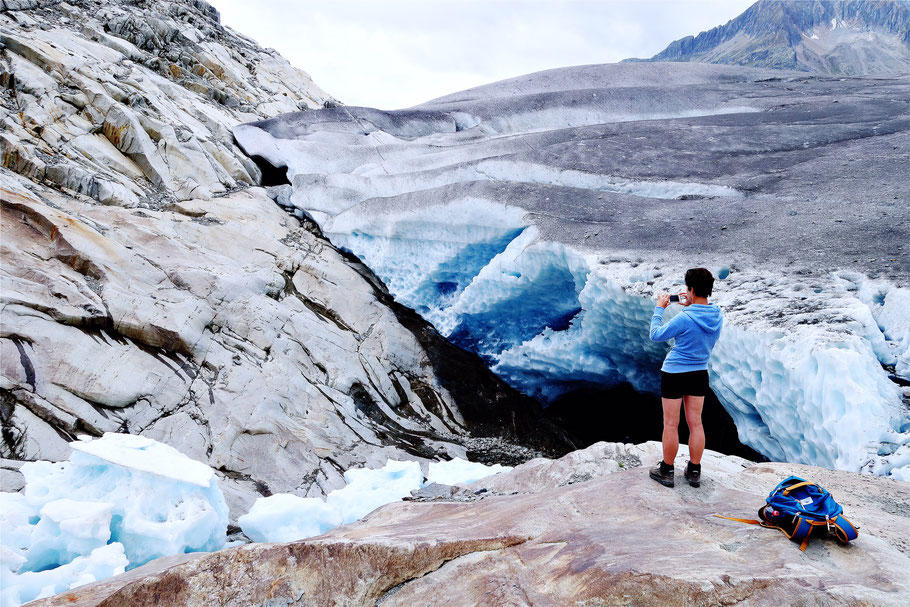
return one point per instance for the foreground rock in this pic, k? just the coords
(616, 538)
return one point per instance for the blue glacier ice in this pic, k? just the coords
(118, 502)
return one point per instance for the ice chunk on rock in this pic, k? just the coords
(118, 502)
(140, 454)
(461, 472)
(287, 518)
(369, 489)
(162, 501)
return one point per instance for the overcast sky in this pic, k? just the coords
(392, 54)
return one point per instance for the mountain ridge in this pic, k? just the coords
(837, 37)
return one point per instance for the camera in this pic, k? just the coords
(676, 299)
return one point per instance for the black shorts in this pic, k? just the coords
(677, 385)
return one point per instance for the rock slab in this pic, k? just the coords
(616, 539)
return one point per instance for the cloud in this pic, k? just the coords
(397, 53)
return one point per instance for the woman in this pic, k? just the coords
(684, 374)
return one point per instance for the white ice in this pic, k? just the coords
(118, 502)
(101, 563)
(287, 518)
(368, 489)
(461, 472)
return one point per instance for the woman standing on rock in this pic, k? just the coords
(684, 374)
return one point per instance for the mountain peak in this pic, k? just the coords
(850, 37)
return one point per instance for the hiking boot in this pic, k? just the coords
(693, 474)
(663, 474)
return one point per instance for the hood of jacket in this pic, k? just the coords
(707, 317)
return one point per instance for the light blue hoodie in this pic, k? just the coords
(695, 329)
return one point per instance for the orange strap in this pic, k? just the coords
(796, 486)
(748, 521)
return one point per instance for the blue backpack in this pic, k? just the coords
(797, 506)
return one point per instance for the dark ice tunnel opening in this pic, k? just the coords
(594, 413)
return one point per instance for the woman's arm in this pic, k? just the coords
(669, 331)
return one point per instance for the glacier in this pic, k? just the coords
(533, 221)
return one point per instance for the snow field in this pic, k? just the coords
(287, 518)
(569, 117)
(335, 193)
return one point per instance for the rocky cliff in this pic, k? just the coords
(838, 37)
(147, 287)
(589, 529)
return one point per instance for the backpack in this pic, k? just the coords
(797, 506)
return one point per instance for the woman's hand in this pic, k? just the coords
(663, 300)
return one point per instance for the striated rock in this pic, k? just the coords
(11, 480)
(263, 353)
(616, 539)
(98, 94)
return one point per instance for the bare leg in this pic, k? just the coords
(694, 406)
(670, 437)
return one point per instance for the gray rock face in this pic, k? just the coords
(147, 289)
(849, 37)
(615, 538)
(132, 104)
(533, 220)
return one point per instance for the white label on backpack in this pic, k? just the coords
(805, 501)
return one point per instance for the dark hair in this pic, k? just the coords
(701, 281)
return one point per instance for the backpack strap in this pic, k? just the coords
(798, 485)
(748, 521)
(843, 528)
(801, 531)
(803, 527)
